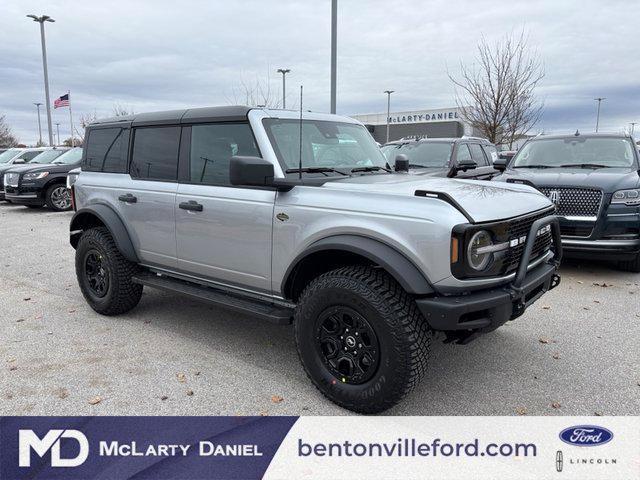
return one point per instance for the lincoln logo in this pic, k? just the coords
(559, 461)
(554, 196)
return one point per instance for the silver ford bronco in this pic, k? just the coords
(299, 218)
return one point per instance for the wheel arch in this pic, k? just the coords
(339, 250)
(102, 216)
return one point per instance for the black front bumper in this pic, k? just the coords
(485, 310)
(32, 195)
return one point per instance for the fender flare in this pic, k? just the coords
(112, 221)
(395, 263)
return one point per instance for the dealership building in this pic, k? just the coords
(438, 123)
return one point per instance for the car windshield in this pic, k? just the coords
(427, 154)
(71, 156)
(325, 145)
(581, 152)
(48, 156)
(8, 155)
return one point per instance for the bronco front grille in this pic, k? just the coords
(519, 227)
(576, 202)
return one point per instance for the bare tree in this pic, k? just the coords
(122, 111)
(7, 138)
(85, 119)
(256, 93)
(496, 95)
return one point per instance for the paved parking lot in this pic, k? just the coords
(575, 352)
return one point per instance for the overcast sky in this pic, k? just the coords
(156, 55)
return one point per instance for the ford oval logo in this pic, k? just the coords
(586, 435)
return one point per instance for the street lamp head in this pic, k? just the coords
(43, 18)
(389, 92)
(283, 70)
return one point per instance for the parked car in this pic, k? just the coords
(43, 180)
(466, 157)
(594, 180)
(507, 154)
(15, 156)
(72, 176)
(221, 204)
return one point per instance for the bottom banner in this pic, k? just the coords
(320, 447)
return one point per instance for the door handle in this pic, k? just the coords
(128, 198)
(191, 205)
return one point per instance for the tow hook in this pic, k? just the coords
(555, 281)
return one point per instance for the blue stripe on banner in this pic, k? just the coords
(139, 447)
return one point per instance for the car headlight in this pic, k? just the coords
(479, 251)
(71, 179)
(35, 175)
(628, 197)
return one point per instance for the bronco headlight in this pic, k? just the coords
(627, 197)
(479, 250)
(35, 175)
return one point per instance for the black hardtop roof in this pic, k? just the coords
(233, 113)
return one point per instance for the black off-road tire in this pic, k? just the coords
(121, 293)
(632, 265)
(403, 335)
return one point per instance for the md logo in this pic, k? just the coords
(28, 440)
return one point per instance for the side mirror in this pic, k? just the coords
(250, 171)
(19, 160)
(402, 163)
(500, 164)
(465, 165)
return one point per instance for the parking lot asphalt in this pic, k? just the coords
(574, 352)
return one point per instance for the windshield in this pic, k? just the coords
(71, 156)
(325, 144)
(8, 155)
(427, 154)
(597, 152)
(48, 156)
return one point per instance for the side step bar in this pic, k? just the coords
(280, 315)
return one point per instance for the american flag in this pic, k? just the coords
(63, 101)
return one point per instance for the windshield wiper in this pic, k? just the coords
(315, 170)
(369, 169)
(585, 165)
(537, 166)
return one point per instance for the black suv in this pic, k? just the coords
(594, 180)
(466, 157)
(42, 181)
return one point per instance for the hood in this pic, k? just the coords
(482, 201)
(607, 179)
(43, 167)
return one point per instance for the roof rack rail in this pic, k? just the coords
(469, 137)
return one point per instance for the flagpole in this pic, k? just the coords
(70, 118)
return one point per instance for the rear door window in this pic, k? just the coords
(155, 153)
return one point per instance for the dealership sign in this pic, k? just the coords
(417, 117)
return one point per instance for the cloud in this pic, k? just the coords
(154, 55)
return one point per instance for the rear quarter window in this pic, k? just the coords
(106, 150)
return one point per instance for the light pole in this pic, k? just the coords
(633, 127)
(599, 100)
(58, 130)
(388, 92)
(41, 20)
(283, 71)
(334, 40)
(37, 104)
